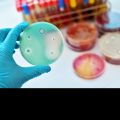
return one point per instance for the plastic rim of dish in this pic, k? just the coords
(89, 66)
(41, 43)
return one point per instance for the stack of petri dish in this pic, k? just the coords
(81, 36)
(110, 47)
(108, 22)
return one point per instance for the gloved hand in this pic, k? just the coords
(11, 74)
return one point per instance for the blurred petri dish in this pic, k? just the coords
(110, 47)
(108, 22)
(41, 43)
(89, 66)
(81, 36)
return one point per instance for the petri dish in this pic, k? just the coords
(89, 66)
(110, 47)
(41, 43)
(81, 36)
(108, 22)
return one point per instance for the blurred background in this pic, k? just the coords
(10, 16)
(62, 74)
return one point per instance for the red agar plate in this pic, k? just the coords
(81, 36)
(89, 66)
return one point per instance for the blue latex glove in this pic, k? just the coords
(11, 74)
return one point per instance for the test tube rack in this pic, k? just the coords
(61, 12)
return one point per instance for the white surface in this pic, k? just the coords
(62, 74)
